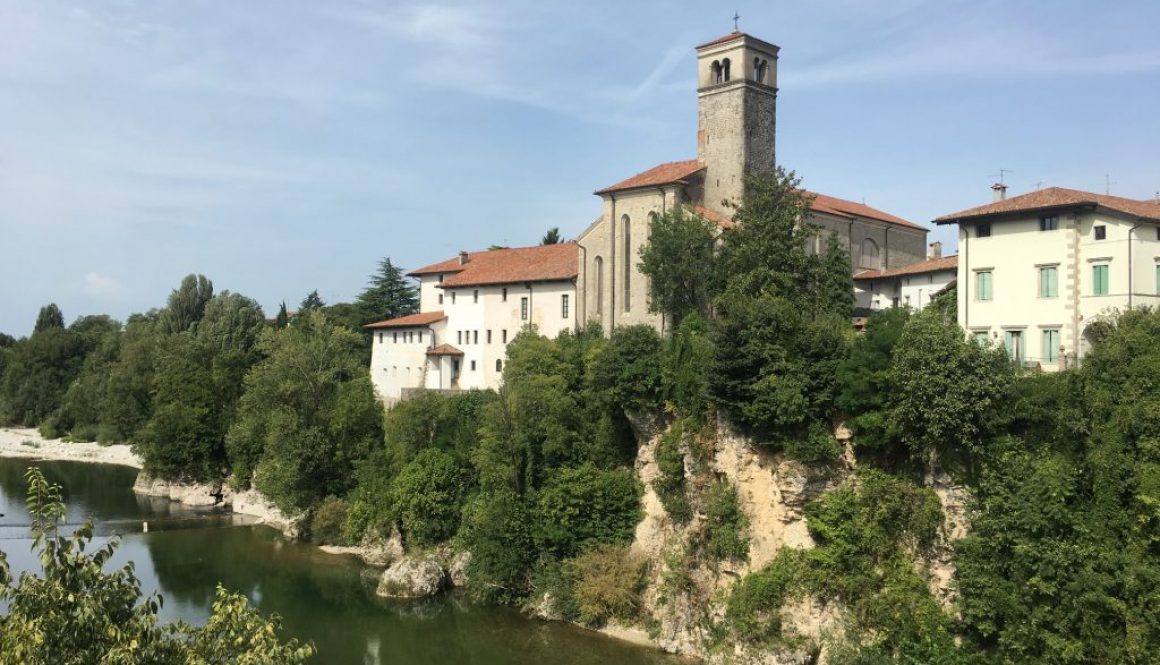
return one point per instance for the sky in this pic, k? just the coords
(282, 146)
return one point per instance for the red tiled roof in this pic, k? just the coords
(1054, 198)
(844, 208)
(409, 321)
(541, 263)
(736, 34)
(922, 267)
(444, 350)
(720, 220)
(665, 174)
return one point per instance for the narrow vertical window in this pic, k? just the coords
(1158, 279)
(475, 337)
(473, 365)
(524, 308)
(564, 306)
(395, 337)
(1100, 280)
(1013, 341)
(475, 295)
(627, 251)
(440, 298)
(498, 365)
(452, 297)
(420, 336)
(983, 285)
(458, 336)
(503, 294)
(599, 287)
(489, 336)
(1050, 346)
(380, 338)
(504, 335)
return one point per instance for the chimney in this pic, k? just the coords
(1000, 191)
(935, 251)
(462, 257)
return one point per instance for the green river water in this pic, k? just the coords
(322, 598)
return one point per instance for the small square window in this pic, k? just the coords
(1048, 223)
(1100, 232)
(983, 230)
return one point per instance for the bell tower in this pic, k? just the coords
(736, 113)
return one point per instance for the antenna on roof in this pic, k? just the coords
(1039, 185)
(736, 18)
(1001, 175)
(1108, 183)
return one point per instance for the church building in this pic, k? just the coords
(736, 134)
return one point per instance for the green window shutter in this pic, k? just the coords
(1048, 282)
(1100, 280)
(984, 285)
(1050, 346)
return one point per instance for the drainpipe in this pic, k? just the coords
(886, 259)
(612, 268)
(967, 277)
(582, 308)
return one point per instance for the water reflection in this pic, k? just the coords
(322, 598)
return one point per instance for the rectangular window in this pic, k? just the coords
(475, 295)
(524, 308)
(489, 336)
(1100, 280)
(564, 306)
(440, 298)
(498, 365)
(395, 337)
(420, 336)
(452, 297)
(1158, 279)
(458, 336)
(983, 285)
(1048, 223)
(440, 278)
(1100, 232)
(505, 336)
(1013, 340)
(475, 337)
(983, 229)
(982, 339)
(473, 365)
(380, 338)
(503, 294)
(1050, 346)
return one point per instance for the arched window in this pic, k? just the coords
(498, 365)
(600, 287)
(759, 67)
(870, 258)
(718, 72)
(725, 69)
(626, 224)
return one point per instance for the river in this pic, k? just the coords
(321, 598)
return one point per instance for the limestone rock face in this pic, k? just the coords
(457, 569)
(251, 502)
(412, 578)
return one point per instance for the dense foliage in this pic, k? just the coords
(77, 612)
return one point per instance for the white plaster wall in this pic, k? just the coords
(917, 290)
(397, 363)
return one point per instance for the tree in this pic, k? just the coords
(388, 295)
(49, 317)
(283, 318)
(552, 237)
(836, 286)
(866, 392)
(312, 301)
(308, 414)
(76, 612)
(678, 260)
(186, 304)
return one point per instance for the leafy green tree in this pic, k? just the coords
(947, 390)
(282, 319)
(312, 301)
(78, 613)
(781, 329)
(552, 237)
(628, 368)
(866, 380)
(38, 371)
(836, 285)
(6, 341)
(678, 260)
(497, 531)
(585, 506)
(308, 414)
(186, 304)
(127, 403)
(686, 364)
(49, 318)
(388, 295)
(427, 496)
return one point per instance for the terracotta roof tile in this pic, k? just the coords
(922, 267)
(409, 321)
(841, 207)
(444, 350)
(1056, 198)
(736, 34)
(664, 174)
(541, 263)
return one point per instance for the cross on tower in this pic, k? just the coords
(736, 18)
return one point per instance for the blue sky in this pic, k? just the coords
(284, 146)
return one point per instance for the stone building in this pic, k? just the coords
(736, 135)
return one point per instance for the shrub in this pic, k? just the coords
(609, 581)
(495, 531)
(817, 445)
(427, 496)
(687, 365)
(725, 536)
(48, 429)
(670, 483)
(326, 527)
(628, 368)
(586, 506)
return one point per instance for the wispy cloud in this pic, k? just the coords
(101, 286)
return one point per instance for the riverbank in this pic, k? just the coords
(28, 443)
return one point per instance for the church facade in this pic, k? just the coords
(736, 135)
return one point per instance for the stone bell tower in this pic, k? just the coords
(736, 113)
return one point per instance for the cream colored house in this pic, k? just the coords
(1035, 271)
(470, 308)
(736, 118)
